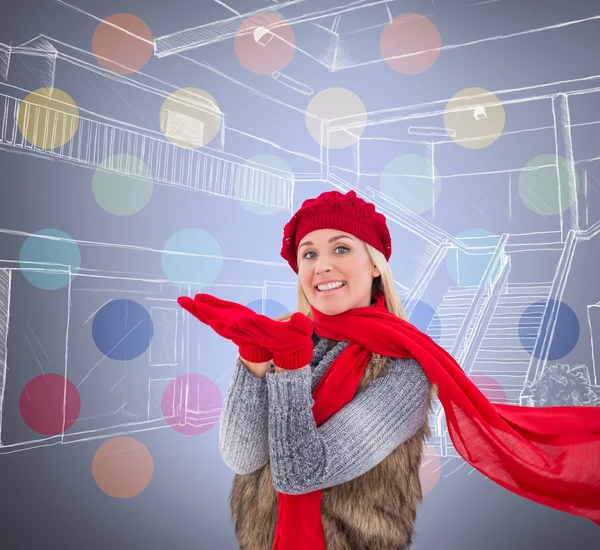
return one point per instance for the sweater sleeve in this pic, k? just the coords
(305, 458)
(243, 430)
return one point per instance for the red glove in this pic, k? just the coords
(290, 341)
(218, 314)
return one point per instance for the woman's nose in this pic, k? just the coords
(323, 266)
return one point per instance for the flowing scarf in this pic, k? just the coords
(550, 455)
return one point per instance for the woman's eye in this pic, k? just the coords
(311, 252)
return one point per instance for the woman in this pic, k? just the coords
(327, 442)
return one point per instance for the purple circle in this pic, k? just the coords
(421, 317)
(191, 404)
(273, 309)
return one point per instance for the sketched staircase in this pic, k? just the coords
(450, 314)
(95, 141)
(503, 354)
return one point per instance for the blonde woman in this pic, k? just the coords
(325, 418)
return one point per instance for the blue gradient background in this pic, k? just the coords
(49, 497)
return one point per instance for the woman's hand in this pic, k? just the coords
(290, 341)
(217, 314)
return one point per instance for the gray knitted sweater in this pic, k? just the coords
(271, 419)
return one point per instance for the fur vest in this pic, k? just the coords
(375, 511)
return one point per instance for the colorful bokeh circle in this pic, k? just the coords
(122, 43)
(192, 256)
(539, 187)
(49, 404)
(474, 122)
(406, 35)
(43, 249)
(431, 469)
(331, 104)
(264, 43)
(410, 180)
(48, 118)
(190, 118)
(122, 467)
(565, 335)
(191, 404)
(270, 185)
(122, 184)
(122, 329)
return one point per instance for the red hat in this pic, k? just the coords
(334, 210)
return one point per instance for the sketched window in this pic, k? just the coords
(184, 128)
(163, 349)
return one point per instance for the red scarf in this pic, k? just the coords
(550, 455)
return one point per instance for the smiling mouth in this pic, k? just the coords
(330, 290)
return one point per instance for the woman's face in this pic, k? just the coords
(328, 255)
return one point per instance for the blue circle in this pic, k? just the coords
(40, 253)
(421, 317)
(566, 332)
(183, 268)
(122, 329)
(273, 308)
(468, 269)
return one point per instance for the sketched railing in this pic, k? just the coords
(550, 314)
(473, 326)
(96, 142)
(489, 279)
(430, 270)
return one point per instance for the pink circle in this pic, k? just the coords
(406, 34)
(42, 402)
(264, 43)
(430, 470)
(191, 404)
(122, 43)
(489, 387)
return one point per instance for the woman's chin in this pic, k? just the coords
(329, 309)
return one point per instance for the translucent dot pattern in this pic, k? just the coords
(412, 182)
(406, 35)
(330, 104)
(122, 467)
(539, 187)
(192, 256)
(566, 331)
(50, 259)
(48, 118)
(474, 122)
(191, 404)
(468, 269)
(264, 43)
(122, 329)
(122, 43)
(190, 118)
(247, 171)
(122, 185)
(42, 401)
(421, 317)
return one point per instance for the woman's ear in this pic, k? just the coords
(376, 272)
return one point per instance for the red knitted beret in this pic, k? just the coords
(334, 210)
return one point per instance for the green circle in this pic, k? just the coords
(538, 185)
(245, 172)
(408, 180)
(122, 184)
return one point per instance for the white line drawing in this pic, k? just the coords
(477, 324)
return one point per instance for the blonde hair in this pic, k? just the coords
(384, 283)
